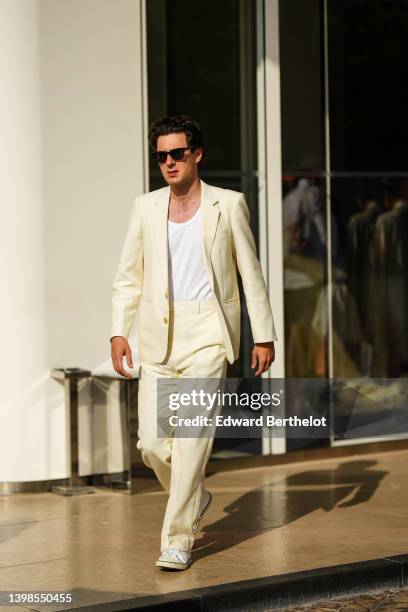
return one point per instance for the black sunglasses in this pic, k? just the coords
(175, 154)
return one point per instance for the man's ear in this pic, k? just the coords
(199, 154)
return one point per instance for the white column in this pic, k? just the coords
(269, 130)
(72, 148)
(23, 355)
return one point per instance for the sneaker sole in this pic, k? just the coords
(202, 513)
(173, 565)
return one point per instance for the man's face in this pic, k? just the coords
(178, 172)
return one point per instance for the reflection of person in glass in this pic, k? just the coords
(304, 241)
(361, 271)
(303, 223)
(303, 251)
(390, 312)
(179, 265)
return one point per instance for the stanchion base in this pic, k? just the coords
(117, 483)
(67, 490)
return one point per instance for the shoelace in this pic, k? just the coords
(173, 552)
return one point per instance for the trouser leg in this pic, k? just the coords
(155, 450)
(189, 458)
(197, 351)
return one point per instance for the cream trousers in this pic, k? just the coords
(195, 350)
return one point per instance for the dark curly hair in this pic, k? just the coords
(175, 125)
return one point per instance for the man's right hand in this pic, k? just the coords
(120, 347)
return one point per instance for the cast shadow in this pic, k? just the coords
(284, 501)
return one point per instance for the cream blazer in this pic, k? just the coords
(141, 279)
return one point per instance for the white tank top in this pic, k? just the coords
(188, 278)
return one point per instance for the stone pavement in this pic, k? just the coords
(388, 600)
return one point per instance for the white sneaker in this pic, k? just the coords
(205, 503)
(174, 559)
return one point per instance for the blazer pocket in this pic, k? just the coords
(234, 299)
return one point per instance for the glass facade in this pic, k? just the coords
(343, 79)
(345, 188)
(344, 131)
(368, 132)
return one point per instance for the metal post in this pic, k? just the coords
(124, 481)
(70, 377)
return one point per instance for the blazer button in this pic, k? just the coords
(166, 295)
(165, 320)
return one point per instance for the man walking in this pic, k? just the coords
(179, 265)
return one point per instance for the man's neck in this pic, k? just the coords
(184, 195)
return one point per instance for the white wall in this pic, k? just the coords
(71, 120)
(93, 145)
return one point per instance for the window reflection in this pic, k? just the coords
(390, 311)
(359, 112)
(374, 259)
(304, 240)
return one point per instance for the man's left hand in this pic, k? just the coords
(263, 355)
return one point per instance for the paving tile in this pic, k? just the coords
(263, 522)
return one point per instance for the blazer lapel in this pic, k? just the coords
(210, 215)
(160, 232)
